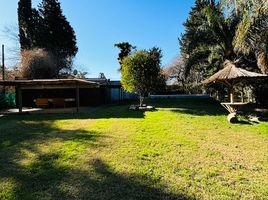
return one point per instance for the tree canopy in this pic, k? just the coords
(252, 32)
(25, 21)
(47, 28)
(141, 72)
(198, 38)
(60, 36)
(210, 37)
(125, 49)
(216, 31)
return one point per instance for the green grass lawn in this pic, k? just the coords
(184, 150)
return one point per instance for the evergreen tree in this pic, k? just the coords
(196, 36)
(60, 37)
(47, 28)
(125, 49)
(25, 22)
(39, 31)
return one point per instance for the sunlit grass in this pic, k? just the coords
(184, 150)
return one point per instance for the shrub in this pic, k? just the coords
(38, 64)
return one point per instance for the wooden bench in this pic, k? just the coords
(58, 102)
(42, 102)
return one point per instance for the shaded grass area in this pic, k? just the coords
(192, 106)
(184, 150)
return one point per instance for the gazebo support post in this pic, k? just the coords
(19, 98)
(231, 95)
(77, 97)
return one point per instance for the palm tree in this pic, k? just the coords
(252, 32)
(209, 36)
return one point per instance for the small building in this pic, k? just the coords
(113, 90)
(71, 92)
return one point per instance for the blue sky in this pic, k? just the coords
(99, 24)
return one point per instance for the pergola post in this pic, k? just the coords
(77, 97)
(19, 98)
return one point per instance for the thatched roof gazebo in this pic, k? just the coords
(232, 75)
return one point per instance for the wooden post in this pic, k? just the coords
(77, 97)
(231, 95)
(3, 66)
(20, 99)
(3, 62)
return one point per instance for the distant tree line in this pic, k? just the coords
(45, 35)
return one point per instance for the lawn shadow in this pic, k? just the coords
(192, 106)
(114, 185)
(28, 130)
(102, 112)
(56, 175)
(46, 179)
(20, 139)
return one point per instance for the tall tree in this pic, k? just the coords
(47, 28)
(125, 49)
(32, 32)
(141, 72)
(208, 40)
(236, 31)
(252, 32)
(25, 22)
(60, 36)
(197, 38)
(39, 30)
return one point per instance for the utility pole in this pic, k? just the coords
(3, 65)
(3, 61)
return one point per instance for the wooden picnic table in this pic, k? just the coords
(233, 107)
(56, 102)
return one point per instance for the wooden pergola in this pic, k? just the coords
(49, 84)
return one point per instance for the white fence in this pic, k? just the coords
(178, 96)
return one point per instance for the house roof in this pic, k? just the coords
(102, 81)
(44, 82)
